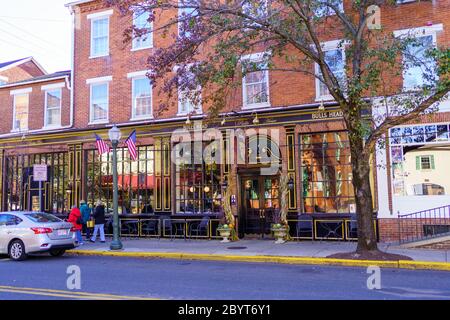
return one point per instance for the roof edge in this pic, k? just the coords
(32, 81)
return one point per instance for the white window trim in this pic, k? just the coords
(328, 46)
(91, 55)
(133, 48)
(179, 92)
(333, 13)
(142, 73)
(255, 57)
(99, 80)
(20, 91)
(14, 110)
(53, 86)
(53, 126)
(100, 14)
(418, 32)
(91, 121)
(3, 78)
(133, 101)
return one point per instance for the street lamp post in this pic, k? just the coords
(114, 135)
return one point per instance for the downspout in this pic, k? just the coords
(72, 58)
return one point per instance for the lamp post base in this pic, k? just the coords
(116, 245)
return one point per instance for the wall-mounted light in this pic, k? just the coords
(223, 121)
(321, 106)
(188, 120)
(290, 183)
(255, 119)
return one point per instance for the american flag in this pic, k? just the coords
(131, 143)
(102, 147)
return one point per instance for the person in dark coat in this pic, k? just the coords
(99, 217)
(86, 215)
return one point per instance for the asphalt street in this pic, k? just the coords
(45, 277)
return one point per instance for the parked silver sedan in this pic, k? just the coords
(22, 233)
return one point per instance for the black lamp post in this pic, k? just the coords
(114, 135)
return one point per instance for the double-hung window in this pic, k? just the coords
(255, 82)
(20, 116)
(53, 108)
(142, 98)
(327, 7)
(419, 68)
(144, 39)
(335, 59)
(100, 33)
(189, 93)
(187, 16)
(256, 9)
(99, 102)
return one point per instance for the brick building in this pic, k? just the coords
(306, 141)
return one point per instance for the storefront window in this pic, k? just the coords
(135, 180)
(419, 159)
(326, 173)
(198, 188)
(23, 192)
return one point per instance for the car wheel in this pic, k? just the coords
(57, 252)
(17, 251)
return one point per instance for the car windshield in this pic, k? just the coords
(42, 217)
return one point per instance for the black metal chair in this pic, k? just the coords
(199, 227)
(166, 226)
(305, 226)
(130, 228)
(150, 228)
(352, 226)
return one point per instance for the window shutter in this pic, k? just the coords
(432, 161)
(417, 163)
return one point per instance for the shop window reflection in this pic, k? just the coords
(326, 173)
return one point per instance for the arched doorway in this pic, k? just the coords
(259, 180)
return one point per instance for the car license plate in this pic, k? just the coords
(62, 232)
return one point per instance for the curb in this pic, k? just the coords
(401, 264)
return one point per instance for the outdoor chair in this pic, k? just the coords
(305, 226)
(352, 227)
(150, 228)
(130, 228)
(199, 228)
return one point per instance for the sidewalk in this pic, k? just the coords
(303, 252)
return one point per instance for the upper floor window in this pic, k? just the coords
(255, 9)
(335, 59)
(187, 16)
(20, 116)
(419, 67)
(142, 98)
(255, 83)
(145, 38)
(321, 9)
(189, 96)
(53, 107)
(99, 102)
(100, 33)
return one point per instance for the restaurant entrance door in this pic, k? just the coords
(260, 201)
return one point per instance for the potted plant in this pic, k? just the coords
(225, 232)
(280, 228)
(227, 229)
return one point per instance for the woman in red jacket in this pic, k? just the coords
(76, 220)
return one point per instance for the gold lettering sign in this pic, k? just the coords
(327, 115)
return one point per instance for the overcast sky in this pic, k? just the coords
(38, 28)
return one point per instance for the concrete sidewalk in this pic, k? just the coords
(301, 252)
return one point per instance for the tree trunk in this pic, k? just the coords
(367, 240)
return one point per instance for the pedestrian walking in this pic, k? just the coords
(86, 215)
(99, 217)
(77, 222)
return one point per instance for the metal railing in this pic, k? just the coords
(166, 228)
(425, 224)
